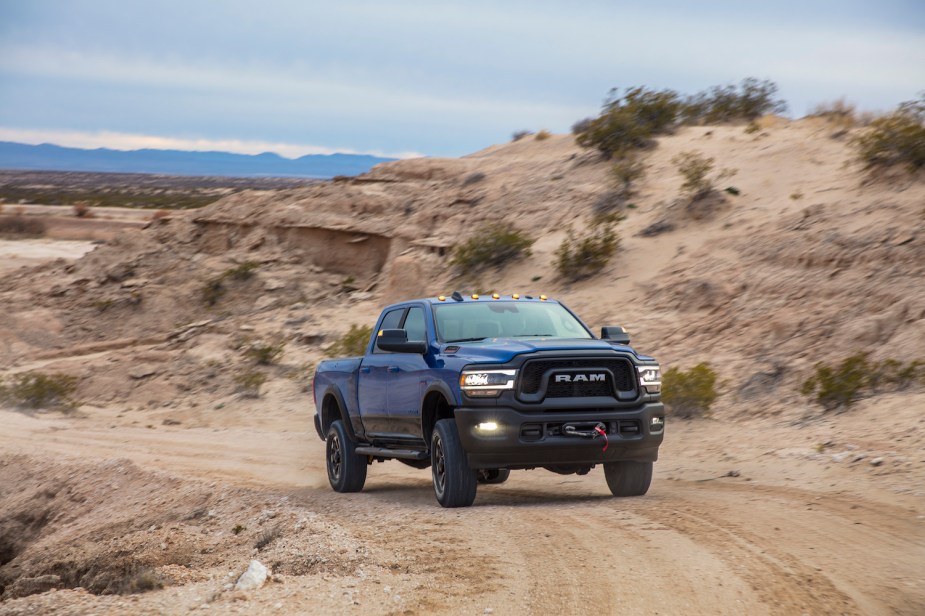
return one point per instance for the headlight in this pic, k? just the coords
(486, 383)
(650, 378)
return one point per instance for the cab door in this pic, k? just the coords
(373, 380)
(407, 375)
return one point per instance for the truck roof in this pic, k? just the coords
(457, 297)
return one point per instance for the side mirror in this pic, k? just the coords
(615, 333)
(396, 341)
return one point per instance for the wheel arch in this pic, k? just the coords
(333, 407)
(436, 405)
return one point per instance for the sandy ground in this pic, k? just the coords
(18, 253)
(741, 518)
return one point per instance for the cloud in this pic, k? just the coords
(129, 141)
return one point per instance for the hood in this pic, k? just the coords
(501, 350)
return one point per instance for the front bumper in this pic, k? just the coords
(524, 440)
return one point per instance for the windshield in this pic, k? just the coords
(502, 319)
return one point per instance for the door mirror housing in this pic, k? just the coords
(615, 333)
(396, 341)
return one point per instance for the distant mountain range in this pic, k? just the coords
(48, 157)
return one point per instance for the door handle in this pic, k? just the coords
(393, 369)
(365, 369)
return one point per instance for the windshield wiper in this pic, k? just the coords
(535, 335)
(466, 340)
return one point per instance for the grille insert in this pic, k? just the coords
(621, 369)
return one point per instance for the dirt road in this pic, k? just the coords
(698, 543)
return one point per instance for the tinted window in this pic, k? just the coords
(390, 321)
(414, 324)
(502, 319)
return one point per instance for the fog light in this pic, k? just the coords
(657, 422)
(487, 426)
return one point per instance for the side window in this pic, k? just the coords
(414, 324)
(389, 321)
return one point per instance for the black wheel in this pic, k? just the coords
(493, 475)
(454, 482)
(628, 478)
(346, 469)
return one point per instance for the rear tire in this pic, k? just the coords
(628, 478)
(346, 468)
(493, 475)
(454, 482)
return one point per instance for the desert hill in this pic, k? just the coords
(172, 472)
(810, 261)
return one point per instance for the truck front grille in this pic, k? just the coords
(622, 379)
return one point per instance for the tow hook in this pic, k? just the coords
(595, 431)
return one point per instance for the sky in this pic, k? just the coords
(404, 78)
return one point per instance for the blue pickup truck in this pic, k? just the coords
(474, 387)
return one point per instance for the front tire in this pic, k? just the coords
(454, 482)
(493, 475)
(346, 468)
(628, 478)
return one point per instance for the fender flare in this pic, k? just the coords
(332, 391)
(444, 390)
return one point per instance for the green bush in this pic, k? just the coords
(214, 289)
(751, 99)
(35, 390)
(265, 353)
(21, 225)
(629, 121)
(690, 393)
(351, 344)
(896, 139)
(491, 245)
(242, 271)
(583, 256)
(840, 386)
(696, 170)
(249, 383)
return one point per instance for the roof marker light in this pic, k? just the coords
(475, 296)
(516, 296)
(543, 297)
(495, 296)
(442, 298)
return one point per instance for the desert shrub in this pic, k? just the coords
(82, 210)
(473, 178)
(491, 245)
(626, 171)
(520, 134)
(689, 393)
(752, 127)
(751, 99)
(160, 215)
(583, 256)
(18, 224)
(696, 170)
(242, 271)
(351, 344)
(36, 390)
(265, 353)
(542, 135)
(249, 383)
(629, 121)
(839, 386)
(212, 291)
(895, 139)
(839, 112)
